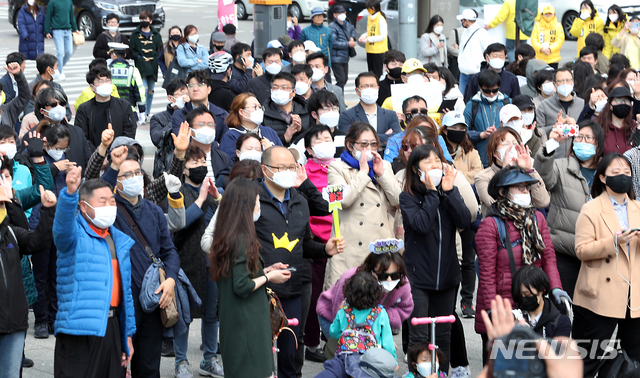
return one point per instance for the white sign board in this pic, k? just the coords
(499, 33)
(431, 92)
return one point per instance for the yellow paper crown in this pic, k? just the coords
(284, 242)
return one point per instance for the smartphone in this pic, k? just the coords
(291, 269)
(632, 230)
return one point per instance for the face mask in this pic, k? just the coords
(395, 72)
(179, 102)
(516, 125)
(565, 90)
(436, 176)
(600, 105)
(496, 63)
(274, 68)
(146, 24)
(521, 199)
(55, 75)
(527, 118)
(424, 368)
(317, 75)
(56, 154)
(548, 88)
(56, 114)
(197, 174)
(418, 78)
(619, 184)
(621, 111)
(289, 24)
(103, 216)
(104, 90)
(204, 135)
(324, 150)
(548, 18)
(631, 84)
(613, 17)
(584, 151)
(218, 48)
(513, 153)
(256, 116)
(299, 57)
(529, 303)
(330, 118)
(438, 29)
(302, 87)
(634, 30)
(490, 99)
(285, 179)
(251, 155)
(31, 2)
(9, 149)
(256, 216)
(369, 96)
(359, 154)
(438, 85)
(132, 187)
(194, 38)
(389, 286)
(341, 17)
(280, 97)
(113, 29)
(525, 135)
(585, 14)
(175, 37)
(456, 136)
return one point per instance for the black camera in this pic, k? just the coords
(515, 355)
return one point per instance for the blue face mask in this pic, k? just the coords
(584, 151)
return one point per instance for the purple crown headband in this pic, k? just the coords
(386, 246)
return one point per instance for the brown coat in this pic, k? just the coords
(600, 288)
(469, 164)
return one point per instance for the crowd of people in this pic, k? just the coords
(522, 184)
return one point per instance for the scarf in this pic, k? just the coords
(353, 163)
(524, 220)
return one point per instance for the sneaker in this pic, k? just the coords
(182, 370)
(62, 77)
(50, 328)
(167, 349)
(211, 368)
(460, 372)
(41, 331)
(395, 332)
(317, 356)
(27, 362)
(467, 310)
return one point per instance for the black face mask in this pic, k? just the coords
(175, 37)
(621, 111)
(197, 174)
(145, 24)
(218, 48)
(456, 136)
(619, 184)
(529, 303)
(395, 72)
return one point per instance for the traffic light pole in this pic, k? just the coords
(408, 35)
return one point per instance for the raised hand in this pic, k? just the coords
(524, 159)
(117, 157)
(364, 164)
(213, 189)
(449, 177)
(13, 68)
(301, 175)
(181, 142)
(172, 183)
(5, 184)
(107, 136)
(378, 165)
(35, 145)
(73, 179)
(47, 197)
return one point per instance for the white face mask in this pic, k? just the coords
(256, 116)
(436, 176)
(527, 118)
(284, 179)
(525, 135)
(600, 105)
(424, 368)
(521, 199)
(204, 135)
(341, 17)
(634, 30)
(490, 99)
(389, 286)
(104, 90)
(31, 2)
(324, 150)
(585, 14)
(194, 38)
(359, 154)
(289, 24)
(496, 63)
(251, 155)
(513, 153)
(274, 68)
(317, 75)
(56, 75)
(516, 125)
(369, 96)
(113, 29)
(256, 216)
(179, 102)
(565, 89)
(548, 88)
(104, 216)
(280, 97)
(56, 154)
(9, 149)
(438, 29)
(613, 17)
(132, 187)
(416, 78)
(299, 57)
(56, 114)
(330, 118)
(302, 87)
(631, 84)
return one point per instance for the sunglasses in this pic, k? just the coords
(407, 147)
(492, 90)
(383, 276)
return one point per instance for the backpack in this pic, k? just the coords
(526, 12)
(358, 337)
(474, 110)
(622, 366)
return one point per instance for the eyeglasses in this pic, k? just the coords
(492, 90)
(102, 81)
(383, 276)
(128, 175)
(368, 86)
(620, 101)
(523, 187)
(199, 85)
(202, 124)
(507, 144)
(285, 88)
(407, 147)
(254, 108)
(367, 144)
(586, 138)
(332, 109)
(291, 168)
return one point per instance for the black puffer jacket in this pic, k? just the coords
(340, 42)
(119, 114)
(274, 120)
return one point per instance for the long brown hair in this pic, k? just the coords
(234, 119)
(465, 144)
(187, 30)
(496, 138)
(419, 134)
(235, 229)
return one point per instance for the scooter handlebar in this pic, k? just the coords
(293, 322)
(438, 319)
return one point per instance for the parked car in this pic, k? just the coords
(298, 8)
(91, 15)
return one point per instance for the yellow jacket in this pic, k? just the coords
(581, 28)
(508, 13)
(608, 34)
(377, 34)
(88, 94)
(550, 32)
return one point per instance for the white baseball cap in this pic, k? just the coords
(467, 14)
(509, 111)
(453, 118)
(310, 46)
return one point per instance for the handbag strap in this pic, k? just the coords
(345, 35)
(512, 261)
(457, 41)
(471, 36)
(136, 230)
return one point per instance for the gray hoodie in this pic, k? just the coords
(533, 66)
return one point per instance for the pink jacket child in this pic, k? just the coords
(317, 174)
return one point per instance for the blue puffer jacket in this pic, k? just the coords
(84, 272)
(340, 43)
(33, 29)
(487, 115)
(321, 36)
(189, 59)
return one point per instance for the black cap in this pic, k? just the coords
(514, 177)
(338, 9)
(620, 92)
(523, 102)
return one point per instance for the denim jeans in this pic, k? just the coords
(149, 85)
(464, 79)
(209, 329)
(325, 325)
(511, 49)
(64, 46)
(11, 346)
